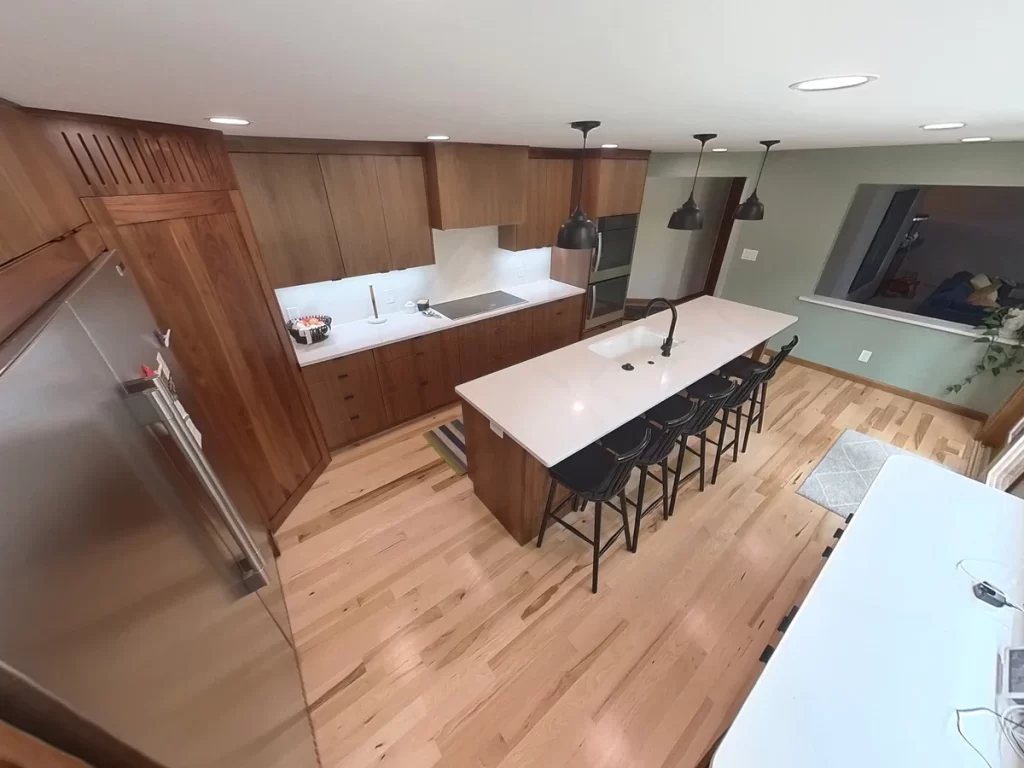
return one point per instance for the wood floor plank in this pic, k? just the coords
(427, 637)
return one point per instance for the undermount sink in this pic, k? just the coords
(638, 343)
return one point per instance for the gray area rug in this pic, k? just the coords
(844, 474)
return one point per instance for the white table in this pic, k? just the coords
(890, 642)
(530, 416)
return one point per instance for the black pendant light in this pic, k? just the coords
(752, 209)
(689, 215)
(579, 232)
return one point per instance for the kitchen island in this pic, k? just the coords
(521, 420)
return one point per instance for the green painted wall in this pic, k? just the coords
(806, 195)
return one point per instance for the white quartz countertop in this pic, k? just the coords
(349, 338)
(558, 403)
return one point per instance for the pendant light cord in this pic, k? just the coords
(583, 169)
(696, 173)
(760, 170)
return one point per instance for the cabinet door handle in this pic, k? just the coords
(349, 397)
(419, 353)
(342, 376)
(353, 417)
(423, 383)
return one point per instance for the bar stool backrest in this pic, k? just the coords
(616, 479)
(665, 435)
(782, 354)
(707, 408)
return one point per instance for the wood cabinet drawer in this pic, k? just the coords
(412, 386)
(556, 325)
(418, 346)
(347, 398)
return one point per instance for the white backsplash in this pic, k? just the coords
(469, 262)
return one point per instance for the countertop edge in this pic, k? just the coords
(571, 291)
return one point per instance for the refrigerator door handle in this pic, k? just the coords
(151, 402)
(595, 255)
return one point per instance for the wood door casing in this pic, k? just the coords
(548, 205)
(291, 217)
(347, 398)
(199, 280)
(355, 202)
(30, 281)
(37, 201)
(403, 193)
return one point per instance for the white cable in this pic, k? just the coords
(1014, 739)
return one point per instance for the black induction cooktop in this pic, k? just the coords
(477, 305)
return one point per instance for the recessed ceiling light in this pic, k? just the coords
(720, 149)
(942, 126)
(976, 139)
(438, 137)
(609, 146)
(228, 120)
(832, 83)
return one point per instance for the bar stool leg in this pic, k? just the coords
(736, 440)
(639, 508)
(703, 455)
(625, 521)
(750, 420)
(597, 544)
(547, 512)
(664, 489)
(764, 402)
(679, 471)
(718, 448)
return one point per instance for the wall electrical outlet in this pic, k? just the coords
(520, 269)
(864, 356)
(292, 313)
(389, 296)
(749, 254)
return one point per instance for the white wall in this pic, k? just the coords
(468, 262)
(668, 262)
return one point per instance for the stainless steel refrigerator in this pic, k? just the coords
(132, 590)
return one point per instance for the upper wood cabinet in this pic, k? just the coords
(291, 217)
(613, 186)
(548, 205)
(37, 200)
(476, 185)
(379, 204)
(403, 193)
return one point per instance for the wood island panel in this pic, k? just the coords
(509, 481)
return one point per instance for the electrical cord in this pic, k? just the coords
(1014, 739)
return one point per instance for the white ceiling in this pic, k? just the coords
(517, 71)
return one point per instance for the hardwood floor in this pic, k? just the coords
(428, 637)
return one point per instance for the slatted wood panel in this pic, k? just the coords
(119, 158)
(428, 637)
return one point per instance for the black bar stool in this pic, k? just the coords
(709, 393)
(667, 420)
(598, 473)
(732, 406)
(747, 368)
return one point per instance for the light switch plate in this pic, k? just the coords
(749, 254)
(292, 312)
(389, 296)
(864, 356)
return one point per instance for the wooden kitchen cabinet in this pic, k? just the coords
(403, 194)
(476, 185)
(379, 205)
(548, 205)
(419, 375)
(291, 217)
(498, 342)
(37, 201)
(347, 398)
(613, 186)
(556, 325)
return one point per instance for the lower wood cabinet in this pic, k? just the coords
(556, 325)
(347, 398)
(359, 395)
(419, 375)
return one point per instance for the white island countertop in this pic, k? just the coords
(349, 338)
(558, 403)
